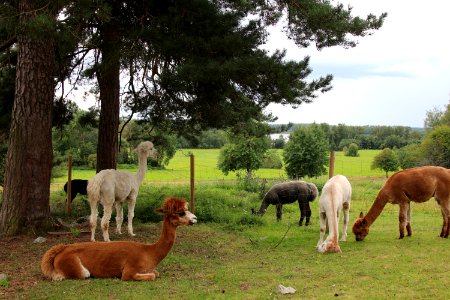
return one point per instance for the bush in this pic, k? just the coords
(409, 156)
(272, 160)
(436, 147)
(351, 150)
(307, 152)
(385, 160)
(92, 160)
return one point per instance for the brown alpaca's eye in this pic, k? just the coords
(182, 214)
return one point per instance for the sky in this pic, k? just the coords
(392, 77)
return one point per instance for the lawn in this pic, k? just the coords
(231, 254)
(205, 163)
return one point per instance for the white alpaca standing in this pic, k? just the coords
(336, 195)
(111, 187)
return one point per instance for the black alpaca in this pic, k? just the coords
(289, 192)
(78, 186)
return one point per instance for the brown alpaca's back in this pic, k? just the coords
(418, 184)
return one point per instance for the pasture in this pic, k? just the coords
(178, 169)
(232, 254)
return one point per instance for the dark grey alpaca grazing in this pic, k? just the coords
(289, 192)
(78, 186)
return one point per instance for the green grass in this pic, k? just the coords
(231, 254)
(205, 164)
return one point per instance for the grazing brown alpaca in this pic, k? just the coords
(127, 260)
(417, 185)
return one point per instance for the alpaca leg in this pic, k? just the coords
(308, 217)
(301, 207)
(107, 211)
(305, 211)
(131, 205)
(140, 277)
(402, 218)
(323, 227)
(93, 220)
(70, 267)
(279, 211)
(119, 217)
(446, 222)
(346, 208)
(408, 220)
(132, 274)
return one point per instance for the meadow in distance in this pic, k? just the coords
(232, 254)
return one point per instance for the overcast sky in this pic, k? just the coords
(392, 77)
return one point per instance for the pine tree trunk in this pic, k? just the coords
(26, 191)
(109, 84)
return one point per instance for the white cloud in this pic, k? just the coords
(391, 78)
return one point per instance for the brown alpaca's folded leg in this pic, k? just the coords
(131, 275)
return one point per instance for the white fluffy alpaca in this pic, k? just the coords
(111, 187)
(335, 196)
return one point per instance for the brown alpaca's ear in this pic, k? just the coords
(159, 210)
(361, 215)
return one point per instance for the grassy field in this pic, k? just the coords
(231, 254)
(205, 164)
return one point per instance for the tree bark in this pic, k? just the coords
(108, 77)
(26, 191)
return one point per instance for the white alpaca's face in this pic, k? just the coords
(186, 218)
(322, 248)
(147, 149)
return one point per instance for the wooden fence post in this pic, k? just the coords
(192, 184)
(331, 170)
(69, 186)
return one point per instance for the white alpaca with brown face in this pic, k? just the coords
(120, 259)
(335, 197)
(114, 188)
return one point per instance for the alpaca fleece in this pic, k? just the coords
(417, 185)
(113, 187)
(335, 197)
(77, 186)
(289, 192)
(123, 259)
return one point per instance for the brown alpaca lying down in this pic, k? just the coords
(127, 260)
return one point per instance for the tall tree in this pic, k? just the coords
(197, 61)
(27, 176)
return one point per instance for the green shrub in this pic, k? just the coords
(272, 160)
(351, 150)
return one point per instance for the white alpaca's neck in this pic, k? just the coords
(142, 168)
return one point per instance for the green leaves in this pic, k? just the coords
(306, 153)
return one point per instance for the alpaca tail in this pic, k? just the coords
(47, 263)
(94, 185)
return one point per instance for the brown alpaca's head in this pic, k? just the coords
(176, 209)
(360, 228)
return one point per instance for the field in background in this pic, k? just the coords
(178, 169)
